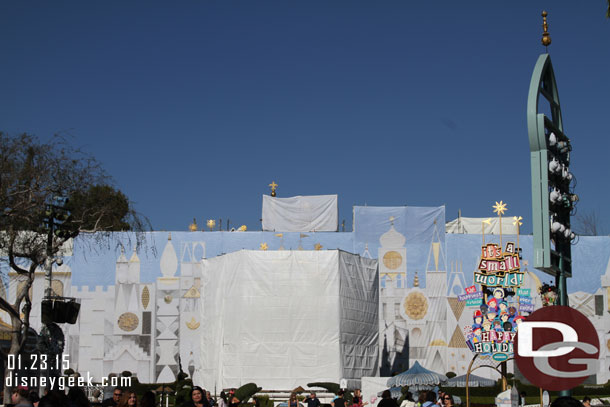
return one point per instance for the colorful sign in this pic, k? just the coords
(501, 301)
(471, 296)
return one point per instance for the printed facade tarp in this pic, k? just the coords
(162, 283)
(281, 318)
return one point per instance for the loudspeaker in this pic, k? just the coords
(46, 311)
(72, 313)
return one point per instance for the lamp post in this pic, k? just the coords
(552, 197)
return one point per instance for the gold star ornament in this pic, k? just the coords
(500, 208)
(264, 246)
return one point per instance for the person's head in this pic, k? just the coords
(566, 401)
(197, 394)
(430, 396)
(312, 395)
(208, 395)
(586, 401)
(409, 396)
(448, 400)
(293, 396)
(34, 398)
(357, 392)
(19, 394)
(78, 396)
(223, 396)
(116, 394)
(340, 393)
(128, 399)
(386, 394)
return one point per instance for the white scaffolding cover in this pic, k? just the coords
(283, 319)
(315, 213)
(475, 226)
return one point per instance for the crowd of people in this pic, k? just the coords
(199, 397)
(76, 397)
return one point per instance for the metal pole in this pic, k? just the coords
(468, 378)
(563, 300)
(48, 263)
(503, 368)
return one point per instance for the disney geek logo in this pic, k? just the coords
(557, 348)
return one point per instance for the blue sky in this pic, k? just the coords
(195, 106)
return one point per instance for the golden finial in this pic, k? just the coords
(211, 223)
(546, 37)
(392, 220)
(317, 246)
(193, 324)
(193, 226)
(499, 208)
(242, 228)
(416, 280)
(273, 186)
(264, 246)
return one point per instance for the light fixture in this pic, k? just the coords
(555, 196)
(554, 166)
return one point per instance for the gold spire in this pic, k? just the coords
(193, 226)
(546, 37)
(273, 186)
(416, 280)
(211, 224)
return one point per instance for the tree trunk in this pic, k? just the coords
(19, 332)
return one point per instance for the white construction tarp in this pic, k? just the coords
(282, 319)
(315, 213)
(475, 226)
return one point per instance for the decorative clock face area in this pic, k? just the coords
(392, 260)
(415, 306)
(128, 321)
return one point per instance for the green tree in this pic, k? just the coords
(33, 175)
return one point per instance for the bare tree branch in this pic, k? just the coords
(588, 223)
(35, 218)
